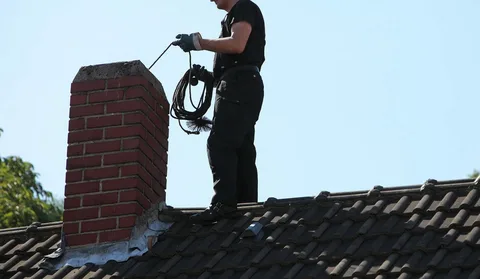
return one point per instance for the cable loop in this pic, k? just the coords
(196, 120)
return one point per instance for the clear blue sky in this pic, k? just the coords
(358, 93)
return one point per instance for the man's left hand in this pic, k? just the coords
(201, 73)
(188, 42)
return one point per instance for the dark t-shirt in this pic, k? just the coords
(254, 53)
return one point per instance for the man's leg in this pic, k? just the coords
(237, 107)
(247, 176)
(226, 136)
(224, 139)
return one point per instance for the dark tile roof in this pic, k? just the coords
(420, 231)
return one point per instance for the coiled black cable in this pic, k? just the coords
(196, 120)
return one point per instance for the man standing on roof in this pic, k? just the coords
(239, 56)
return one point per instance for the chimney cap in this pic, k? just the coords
(111, 71)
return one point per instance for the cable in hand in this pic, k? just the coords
(197, 122)
(160, 55)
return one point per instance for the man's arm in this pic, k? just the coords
(234, 44)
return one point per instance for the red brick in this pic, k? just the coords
(129, 170)
(165, 156)
(160, 164)
(100, 173)
(158, 95)
(99, 225)
(121, 209)
(163, 111)
(73, 176)
(163, 123)
(154, 144)
(160, 152)
(76, 124)
(84, 162)
(87, 110)
(131, 81)
(164, 130)
(152, 149)
(104, 121)
(129, 195)
(158, 198)
(156, 120)
(123, 157)
(154, 171)
(158, 188)
(163, 102)
(145, 176)
(159, 193)
(135, 195)
(146, 149)
(139, 118)
(126, 81)
(78, 99)
(128, 106)
(105, 96)
(81, 239)
(131, 143)
(101, 147)
(164, 127)
(70, 203)
(150, 195)
(70, 228)
(117, 235)
(134, 117)
(80, 214)
(140, 92)
(82, 188)
(137, 169)
(89, 85)
(162, 139)
(149, 125)
(75, 150)
(125, 222)
(100, 199)
(163, 182)
(125, 131)
(85, 135)
(122, 183)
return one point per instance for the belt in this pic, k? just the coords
(236, 69)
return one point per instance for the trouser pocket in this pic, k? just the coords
(242, 87)
(230, 121)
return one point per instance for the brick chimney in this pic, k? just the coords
(117, 152)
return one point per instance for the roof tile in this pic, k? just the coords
(468, 201)
(421, 231)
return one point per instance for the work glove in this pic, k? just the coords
(202, 74)
(188, 42)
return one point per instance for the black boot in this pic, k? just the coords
(214, 213)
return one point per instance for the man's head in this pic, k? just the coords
(225, 5)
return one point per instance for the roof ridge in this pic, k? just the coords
(375, 190)
(34, 226)
(328, 197)
(325, 196)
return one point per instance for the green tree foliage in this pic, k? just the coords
(22, 198)
(475, 174)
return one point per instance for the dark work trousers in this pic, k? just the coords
(231, 149)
